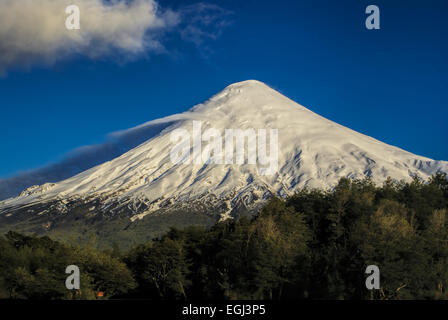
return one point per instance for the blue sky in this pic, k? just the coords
(388, 83)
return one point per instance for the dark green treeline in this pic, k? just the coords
(313, 245)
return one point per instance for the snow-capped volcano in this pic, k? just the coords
(312, 152)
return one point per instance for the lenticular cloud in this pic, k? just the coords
(34, 31)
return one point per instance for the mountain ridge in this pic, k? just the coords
(313, 152)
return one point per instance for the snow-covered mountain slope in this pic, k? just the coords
(312, 152)
(79, 160)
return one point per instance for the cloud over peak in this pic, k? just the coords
(34, 31)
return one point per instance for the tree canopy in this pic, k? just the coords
(315, 244)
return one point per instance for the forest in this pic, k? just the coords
(313, 245)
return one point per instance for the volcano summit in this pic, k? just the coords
(143, 191)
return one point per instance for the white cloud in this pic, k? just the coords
(33, 31)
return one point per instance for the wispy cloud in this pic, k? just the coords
(83, 158)
(34, 31)
(205, 21)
